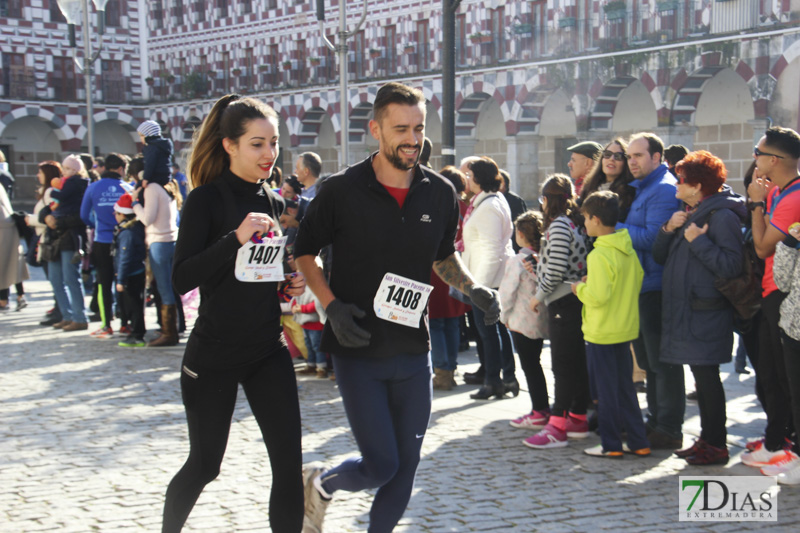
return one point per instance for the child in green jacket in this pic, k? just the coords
(610, 297)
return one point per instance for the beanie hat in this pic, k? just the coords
(74, 163)
(149, 128)
(124, 204)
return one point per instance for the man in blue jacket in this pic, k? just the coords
(97, 211)
(653, 205)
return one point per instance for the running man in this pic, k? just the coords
(389, 221)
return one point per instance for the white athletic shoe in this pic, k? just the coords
(790, 477)
(315, 503)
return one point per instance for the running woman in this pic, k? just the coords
(227, 248)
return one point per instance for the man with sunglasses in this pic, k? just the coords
(652, 206)
(775, 202)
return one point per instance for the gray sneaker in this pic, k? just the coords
(315, 504)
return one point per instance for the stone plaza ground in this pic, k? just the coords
(91, 433)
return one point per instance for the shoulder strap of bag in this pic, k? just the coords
(781, 195)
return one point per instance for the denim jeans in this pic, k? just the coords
(498, 353)
(315, 356)
(444, 342)
(161, 254)
(65, 277)
(666, 391)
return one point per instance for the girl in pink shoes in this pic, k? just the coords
(528, 328)
(562, 261)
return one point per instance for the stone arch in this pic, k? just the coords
(360, 115)
(469, 103)
(60, 128)
(637, 111)
(526, 111)
(189, 126)
(605, 103)
(782, 107)
(310, 121)
(722, 118)
(693, 86)
(112, 135)
(314, 111)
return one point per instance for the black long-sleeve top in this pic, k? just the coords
(238, 322)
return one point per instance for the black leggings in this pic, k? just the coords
(209, 396)
(568, 353)
(711, 402)
(529, 352)
(5, 292)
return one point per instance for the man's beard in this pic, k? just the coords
(398, 162)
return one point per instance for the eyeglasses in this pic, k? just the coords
(758, 153)
(616, 156)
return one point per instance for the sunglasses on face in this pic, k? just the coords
(616, 156)
(758, 153)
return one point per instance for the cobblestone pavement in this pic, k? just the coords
(91, 433)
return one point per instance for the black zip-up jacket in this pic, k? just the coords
(238, 322)
(371, 236)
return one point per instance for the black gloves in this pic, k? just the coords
(487, 301)
(342, 318)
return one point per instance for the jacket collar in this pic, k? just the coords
(654, 177)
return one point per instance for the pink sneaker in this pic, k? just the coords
(533, 420)
(549, 437)
(577, 429)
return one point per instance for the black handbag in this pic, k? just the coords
(25, 231)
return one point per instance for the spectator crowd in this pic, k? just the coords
(640, 261)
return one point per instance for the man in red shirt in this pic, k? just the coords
(777, 154)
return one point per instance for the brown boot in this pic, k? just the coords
(169, 328)
(442, 379)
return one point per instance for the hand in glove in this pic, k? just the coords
(342, 319)
(486, 300)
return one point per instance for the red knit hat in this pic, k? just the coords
(124, 204)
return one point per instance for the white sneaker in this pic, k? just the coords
(790, 477)
(787, 462)
(761, 457)
(315, 504)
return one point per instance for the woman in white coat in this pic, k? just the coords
(13, 269)
(487, 246)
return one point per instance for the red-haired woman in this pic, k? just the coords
(696, 247)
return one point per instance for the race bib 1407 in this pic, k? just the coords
(261, 262)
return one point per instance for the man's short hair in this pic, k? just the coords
(674, 153)
(115, 161)
(312, 162)
(395, 93)
(603, 205)
(425, 154)
(785, 140)
(176, 166)
(506, 177)
(654, 143)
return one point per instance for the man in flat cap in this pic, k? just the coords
(584, 156)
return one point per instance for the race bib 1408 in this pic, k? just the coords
(401, 300)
